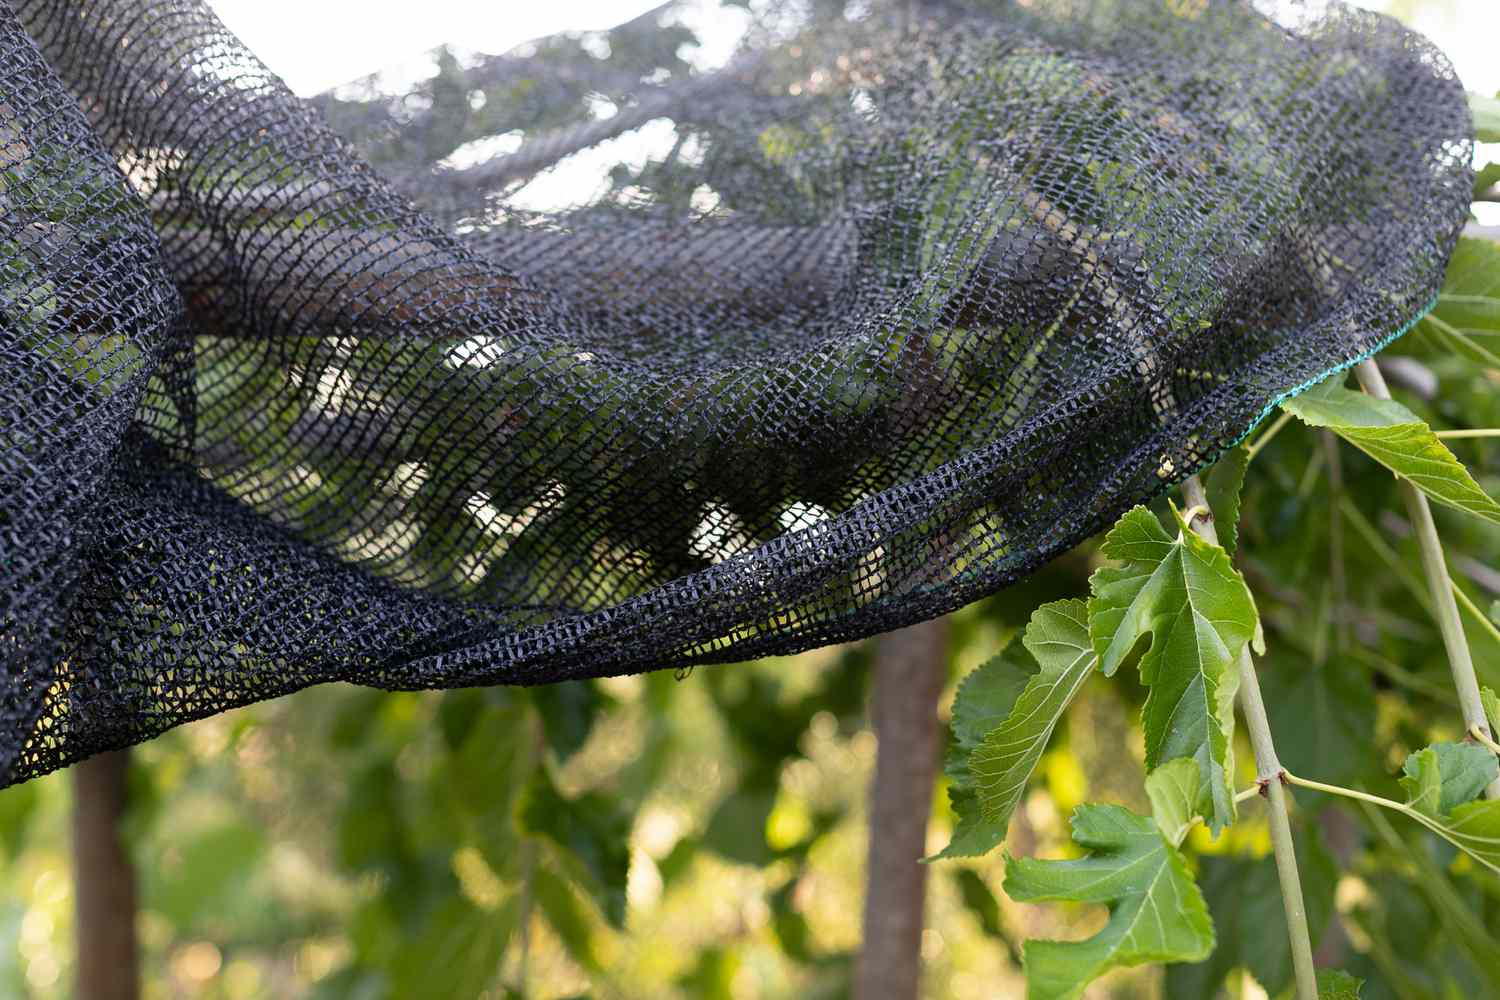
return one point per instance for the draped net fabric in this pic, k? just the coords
(856, 327)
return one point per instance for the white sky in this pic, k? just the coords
(317, 44)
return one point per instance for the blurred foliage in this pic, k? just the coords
(654, 837)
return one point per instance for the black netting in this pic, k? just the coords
(858, 327)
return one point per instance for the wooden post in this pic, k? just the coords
(910, 670)
(104, 896)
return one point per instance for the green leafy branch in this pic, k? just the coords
(1173, 604)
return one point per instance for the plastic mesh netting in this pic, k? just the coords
(855, 328)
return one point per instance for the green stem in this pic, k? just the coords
(1337, 579)
(1484, 741)
(1348, 793)
(1394, 671)
(1264, 438)
(1475, 611)
(1386, 804)
(1240, 798)
(1270, 772)
(1441, 587)
(1392, 805)
(1482, 432)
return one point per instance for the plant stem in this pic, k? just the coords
(1338, 580)
(1475, 611)
(1441, 587)
(1482, 432)
(1265, 437)
(1394, 671)
(1484, 741)
(1348, 793)
(1431, 823)
(1269, 771)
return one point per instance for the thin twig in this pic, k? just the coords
(1474, 610)
(1269, 771)
(1338, 581)
(1444, 606)
(1395, 672)
(1240, 798)
(1245, 795)
(1264, 438)
(1479, 432)
(1483, 740)
(1401, 807)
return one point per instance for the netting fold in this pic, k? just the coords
(858, 326)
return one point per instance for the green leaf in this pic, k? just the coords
(568, 711)
(793, 932)
(1490, 700)
(973, 834)
(1058, 637)
(1473, 827)
(454, 953)
(1244, 899)
(1473, 270)
(1222, 485)
(205, 873)
(1486, 112)
(983, 700)
(493, 756)
(737, 828)
(1440, 781)
(1486, 177)
(1186, 596)
(592, 833)
(1452, 339)
(978, 900)
(1398, 439)
(1335, 984)
(1469, 314)
(1173, 791)
(987, 695)
(1443, 776)
(713, 976)
(1156, 912)
(559, 904)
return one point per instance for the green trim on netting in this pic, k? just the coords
(1342, 366)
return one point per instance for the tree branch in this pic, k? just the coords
(910, 670)
(1440, 586)
(104, 898)
(1270, 772)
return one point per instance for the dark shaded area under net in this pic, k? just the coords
(862, 325)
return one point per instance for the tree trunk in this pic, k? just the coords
(103, 881)
(910, 670)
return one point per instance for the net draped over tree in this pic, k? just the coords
(864, 324)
